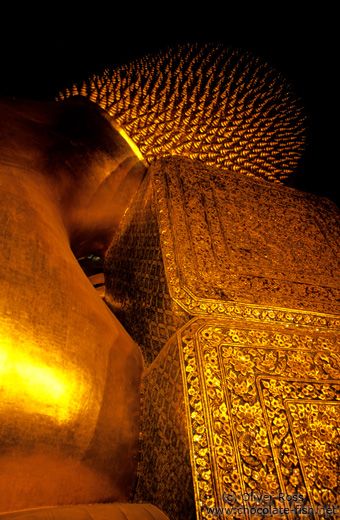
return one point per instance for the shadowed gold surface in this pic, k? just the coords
(69, 372)
(91, 512)
(164, 470)
(221, 106)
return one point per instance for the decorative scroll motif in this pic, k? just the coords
(315, 432)
(165, 477)
(263, 408)
(259, 346)
(230, 240)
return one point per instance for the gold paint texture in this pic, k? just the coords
(223, 107)
(229, 285)
(198, 243)
(248, 274)
(69, 420)
(136, 281)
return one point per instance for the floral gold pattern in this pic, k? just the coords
(198, 243)
(239, 242)
(242, 277)
(264, 414)
(164, 475)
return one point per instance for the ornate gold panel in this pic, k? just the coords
(238, 279)
(263, 411)
(136, 284)
(199, 242)
(232, 239)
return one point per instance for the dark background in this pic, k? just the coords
(46, 51)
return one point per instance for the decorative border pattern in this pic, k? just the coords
(200, 270)
(250, 391)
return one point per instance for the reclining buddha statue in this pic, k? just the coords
(203, 380)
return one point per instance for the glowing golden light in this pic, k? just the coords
(69, 416)
(34, 387)
(130, 142)
(226, 286)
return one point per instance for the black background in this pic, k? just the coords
(45, 51)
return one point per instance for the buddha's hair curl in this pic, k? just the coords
(222, 106)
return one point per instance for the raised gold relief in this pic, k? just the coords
(263, 409)
(229, 239)
(198, 243)
(251, 286)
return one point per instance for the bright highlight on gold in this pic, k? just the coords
(35, 387)
(69, 373)
(130, 142)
